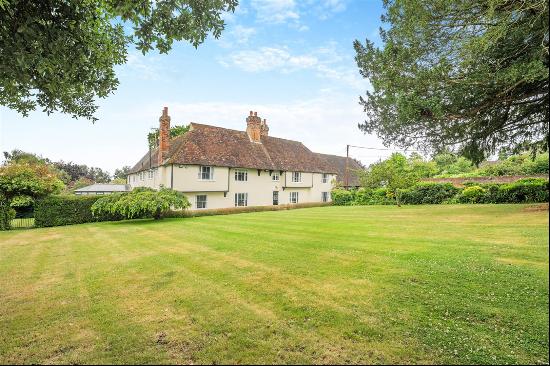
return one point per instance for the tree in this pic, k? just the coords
(472, 74)
(60, 54)
(121, 173)
(20, 156)
(395, 173)
(153, 136)
(78, 171)
(22, 183)
(140, 203)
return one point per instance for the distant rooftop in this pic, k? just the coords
(99, 187)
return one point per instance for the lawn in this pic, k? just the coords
(416, 284)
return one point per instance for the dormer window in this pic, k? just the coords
(296, 177)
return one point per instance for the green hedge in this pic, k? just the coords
(6, 214)
(530, 190)
(428, 193)
(66, 210)
(362, 196)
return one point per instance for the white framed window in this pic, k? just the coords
(141, 176)
(134, 177)
(324, 179)
(151, 174)
(275, 176)
(294, 197)
(241, 199)
(324, 196)
(206, 173)
(241, 175)
(296, 177)
(201, 201)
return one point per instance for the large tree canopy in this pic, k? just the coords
(471, 74)
(59, 54)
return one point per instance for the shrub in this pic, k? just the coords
(472, 194)
(6, 214)
(342, 197)
(428, 193)
(524, 190)
(141, 203)
(67, 210)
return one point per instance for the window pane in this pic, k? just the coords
(201, 201)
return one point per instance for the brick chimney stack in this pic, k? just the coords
(264, 129)
(254, 127)
(164, 136)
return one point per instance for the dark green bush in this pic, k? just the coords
(529, 190)
(67, 210)
(428, 193)
(342, 197)
(6, 214)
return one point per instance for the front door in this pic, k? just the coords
(275, 198)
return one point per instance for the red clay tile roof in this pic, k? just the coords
(338, 163)
(216, 146)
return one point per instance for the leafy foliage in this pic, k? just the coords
(532, 190)
(141, 203)
(396, 173)
(24, 182)
(121, 173)
(472, 194)
(429, 193)
(72, 174)
(6, 213)
(60, 55)
(473, 74)
(153, 136)
(521, 164)
(78, 171)
(67, 210)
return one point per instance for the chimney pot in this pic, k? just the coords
(255, 114)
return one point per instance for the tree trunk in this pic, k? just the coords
(397, 198)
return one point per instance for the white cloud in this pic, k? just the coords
(236, 35)
(291, 11)
(325, 61)
(269, 58)
(326, 8)
(276, 11)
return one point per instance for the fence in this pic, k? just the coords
(24, 218)
(22, 223)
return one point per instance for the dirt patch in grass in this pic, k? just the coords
(541, 207)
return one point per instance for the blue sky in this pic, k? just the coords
(291, 61)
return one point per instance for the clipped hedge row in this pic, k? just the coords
(67, 210)
(234, 210)
(428, 193)
(530, 190)
(6, 214)
(362, 196)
